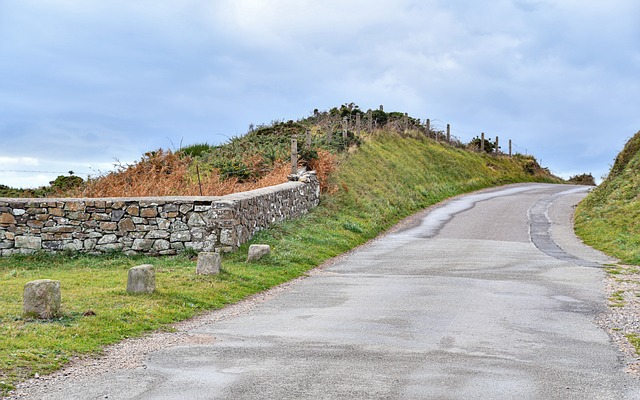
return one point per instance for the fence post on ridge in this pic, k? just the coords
(345, 123)
(294, 156)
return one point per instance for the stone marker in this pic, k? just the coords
(141, 279)
(257, 251)
(208, 263)
(42, 299)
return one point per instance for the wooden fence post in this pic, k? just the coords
(345, 124)
(482, 142)
(294, 156)
(509, 147)
(448, 133)
(308, 133)
(405, 122)
(428, 127)
(370, 120)
(497, 145)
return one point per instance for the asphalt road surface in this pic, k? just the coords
(486, 296)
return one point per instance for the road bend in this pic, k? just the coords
(485, 296)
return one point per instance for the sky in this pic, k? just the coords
(86, 85)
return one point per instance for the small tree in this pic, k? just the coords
(476, 142)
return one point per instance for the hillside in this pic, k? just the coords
(609, 218)
(259, 158)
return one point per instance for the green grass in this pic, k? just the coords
(609, 218)
(384, 181)
(617, 299)
(635, 341)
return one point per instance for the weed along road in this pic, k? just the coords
(486, 296)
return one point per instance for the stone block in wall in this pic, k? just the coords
(90, 244)
(177, 245)
(42, 299)
(7, 219)
(74, 245)
(198, 234)
(163, 223)
(28, 242)
(56, 212)
(142, 244)
(157, 234)
(196, 219)
(151, 212)
(179, 226)
(108, 239)
(227, 237)
(161, 245)
(108, 226)
(170, 208)
(54, 245)
(116, 215)
(74, 206)
(126, 225)
(133, 210)
(180, 236)
(109, 247)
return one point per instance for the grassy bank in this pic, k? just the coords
(608, 219)
(385, 180)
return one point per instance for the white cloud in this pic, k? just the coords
(6, 162)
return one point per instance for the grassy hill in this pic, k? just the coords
(609, 218)
(372, 183)
(256, 159)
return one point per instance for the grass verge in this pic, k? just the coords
(384, 181)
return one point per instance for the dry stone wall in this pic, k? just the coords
(156, 226)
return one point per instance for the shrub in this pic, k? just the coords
(584, 179)
(476, 145)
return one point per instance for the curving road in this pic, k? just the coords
(486, 296)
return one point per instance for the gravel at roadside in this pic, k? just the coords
(623, 316)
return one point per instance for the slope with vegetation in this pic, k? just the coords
(377, 180)
(257, 159)
(608, 219)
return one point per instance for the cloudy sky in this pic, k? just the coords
(86, 83)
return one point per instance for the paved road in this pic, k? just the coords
(488, 296)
